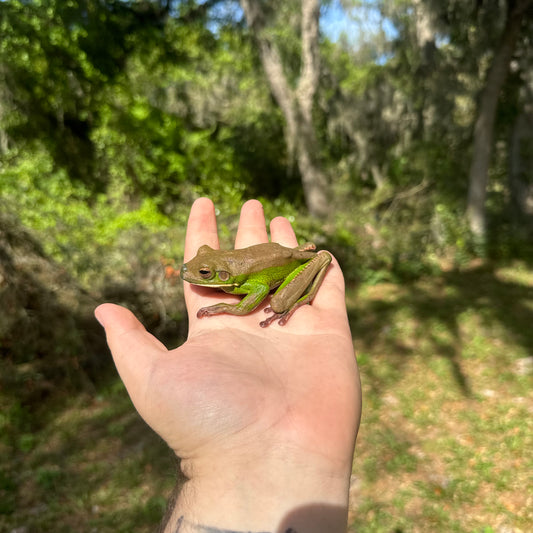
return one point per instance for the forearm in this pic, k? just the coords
(301, 496)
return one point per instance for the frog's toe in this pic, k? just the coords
(275, 316)
(205, 311)
(284, 319)
(269, 320)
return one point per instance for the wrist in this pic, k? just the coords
(280, 490)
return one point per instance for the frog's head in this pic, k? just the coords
(207, 268)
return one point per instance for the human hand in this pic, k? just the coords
(270, 412)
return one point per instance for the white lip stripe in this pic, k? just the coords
(213, 285)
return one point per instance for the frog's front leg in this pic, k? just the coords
(254, 296)
(298, 289)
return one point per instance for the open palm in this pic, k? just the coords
(234, 387)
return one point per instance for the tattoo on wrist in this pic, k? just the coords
(182, 523)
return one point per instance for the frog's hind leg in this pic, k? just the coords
(302, 286)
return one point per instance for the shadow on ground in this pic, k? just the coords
(437, 307)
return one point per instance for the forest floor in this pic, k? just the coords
(446, 435)
(445, 441)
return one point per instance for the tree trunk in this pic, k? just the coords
(484, 126)
(296, 103)
(521, 172)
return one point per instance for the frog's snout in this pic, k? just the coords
(183, 271)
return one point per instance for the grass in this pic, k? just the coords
(446, 433)
(93, 466)
(444, 443)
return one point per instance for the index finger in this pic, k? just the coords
(201, 227)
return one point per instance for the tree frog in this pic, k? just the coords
(296, 273)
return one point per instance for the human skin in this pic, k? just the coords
(264, 420)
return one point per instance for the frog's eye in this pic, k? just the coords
(223, 275)
(205, 273)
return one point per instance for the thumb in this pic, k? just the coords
(134, 350)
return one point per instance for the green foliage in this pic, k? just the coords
(84, 235)
(171, 122)
(57, 57)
